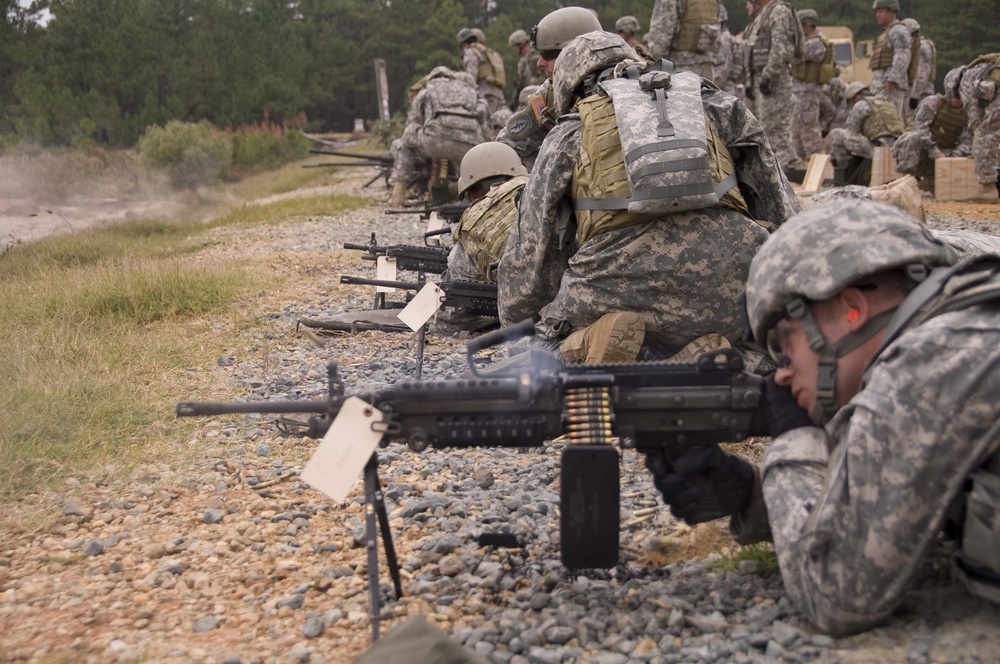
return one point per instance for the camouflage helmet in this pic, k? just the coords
(464, 35)
(479, 35)
(723, 13)
(627, 24)
(585, 55)
(951, 81)
(818, 253)
(853, 89)
(558, 28)
(886, 4)
(526, 93)
(500, 116)
(465, 77)
(911, 25)
(808, 16)
(517, 38)
(488, 160)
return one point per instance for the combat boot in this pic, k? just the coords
(614, 337)
(398, 196)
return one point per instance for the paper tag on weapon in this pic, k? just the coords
(435, 222)
(423, 305)
(385, 270)
(345, 449)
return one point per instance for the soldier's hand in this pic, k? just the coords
(782, 411)
(913, 103)
(705, 484)
(765, 87)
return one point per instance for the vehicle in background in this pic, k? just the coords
(852, 59)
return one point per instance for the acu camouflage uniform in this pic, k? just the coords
(890, 63)
(870, 119)
(480, 240)
(528, 72)
(979, 90)
(938, 129)
(476, 60)
(686, 32)
(446, 118)
(771, 42)
(728, 63)
(524, 133)
(682, 273)
(855, 506)
(923, 82)
(807, 87)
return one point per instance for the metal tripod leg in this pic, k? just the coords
(375, 509)
(421, 340)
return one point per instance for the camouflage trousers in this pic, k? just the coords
(416, 146)
(985, 142)
(913, 156)
(775, 114)
(845, 143)
(704, 69)
(899, 97)
(807, 129)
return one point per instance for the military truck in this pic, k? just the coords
(852, 59)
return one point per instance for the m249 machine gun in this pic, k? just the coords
(660, 409)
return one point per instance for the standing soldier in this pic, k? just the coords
(926, 68)
(870, 121)
(528, 72)
(810, 73)
(686, 32)
(940, 129)
(627, 27)
(774, 39)
(979, 90)
(891, 56)
(728, 59)
(484, 64)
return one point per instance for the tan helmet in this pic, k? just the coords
(517, 38)
(853, 89)
(488, 160)
(587, 54)
(808, 16)
(911, 25)
(886, 4)
(464, 35)
(627, 24)
(951, 81)
(560, 27)
(479, 35)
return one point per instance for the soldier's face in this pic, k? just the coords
(801, 363)
(547, 62)
(884, 16)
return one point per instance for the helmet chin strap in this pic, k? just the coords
(826, 377)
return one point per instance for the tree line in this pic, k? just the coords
(101, 71)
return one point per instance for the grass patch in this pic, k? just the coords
(292, 207)
(762, 554)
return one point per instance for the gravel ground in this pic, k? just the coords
(232, 559)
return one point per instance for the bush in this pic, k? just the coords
(267, 146)
(191, 154)
(386, 131)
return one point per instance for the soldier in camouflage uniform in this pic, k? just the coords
(627, 27)
(809, 74)
(445, 119)
(923, 82)
(484, 64)
(491, 177)
(890, 62)
(773, 39)
(527, 128)
(870, 121)
(833, 111)
(686, 32)
(726, 68)
(570, 261)
(979, 89)
(885, 425)
(940, 129)
(528, 72)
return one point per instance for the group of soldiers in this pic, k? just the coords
(635, 210)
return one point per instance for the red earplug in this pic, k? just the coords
(853, 315)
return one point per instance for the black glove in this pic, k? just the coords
(782, 410)
(913, 103)
(765, 87)
(748, 91)
(704, 484)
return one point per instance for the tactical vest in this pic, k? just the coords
(884, 120)
(484, 226)
(975, 515)
(699, 14)
(491, 67)
(882, 53)
(948, 124)
(642, 158)
(816, 72)
(993, 59)
(759, 40)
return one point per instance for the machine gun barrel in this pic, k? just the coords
(204, 408)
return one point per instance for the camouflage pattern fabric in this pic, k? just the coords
(850, 141)
(980, 95)
(899, 39)
(916, 150)
(450, 321)
(528, 72)
(776, 26)
(923, 82)
(806, 130)
(527, 141)
(472, 58)
(690, 266)
(833, 109)
(728, 62)
(664, 24)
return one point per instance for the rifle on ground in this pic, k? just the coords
(383, 162)
(450, 212)
(408, 257)
(476, 298)
(660, 409)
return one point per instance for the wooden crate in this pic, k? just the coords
(955, 180)
(883, 166)
(816, 173)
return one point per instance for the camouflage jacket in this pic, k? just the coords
(681, 272)
(923, 122)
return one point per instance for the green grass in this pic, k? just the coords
(762, 553)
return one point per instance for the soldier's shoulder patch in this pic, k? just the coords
(518, 126)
